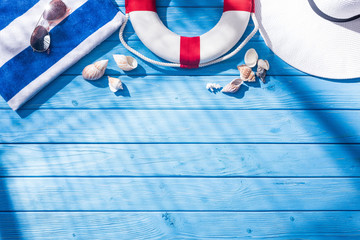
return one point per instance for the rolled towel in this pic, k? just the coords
(23, 72)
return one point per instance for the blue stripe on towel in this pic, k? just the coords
(10, 10)
(28, 65)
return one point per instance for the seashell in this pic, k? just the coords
(233, 86)
(95, 71)
(263, 66)
(261, 73)
(251, 58)
(126, 63)
(246, 74)
(115, 84)
(213, 87)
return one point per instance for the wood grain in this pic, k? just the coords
(180, 126)
(179, 225)
(165, 194)
(221, 160)
(167, 159)
(189, 92)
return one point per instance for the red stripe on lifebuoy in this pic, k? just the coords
(239, 5)
(189, 52)
(140, 5)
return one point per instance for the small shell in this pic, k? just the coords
(263, 64)
(126, 63)
(246, 74)
(233, 86)
(95, 71)
(251, 58)
(213, 87)
(115, 84)
(261, 73)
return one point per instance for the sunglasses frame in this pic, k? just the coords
(48, 34)
(41, 22)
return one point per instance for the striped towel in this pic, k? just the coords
(23, 73)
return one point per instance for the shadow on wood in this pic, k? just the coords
(9, 227)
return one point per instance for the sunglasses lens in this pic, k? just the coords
(55, 10)
(40, 39)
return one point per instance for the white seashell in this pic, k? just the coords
(95, 71)
(213, 87)
(246, 74)
(115, 84)
(233, 86)
(251, 58)
(264, 64)
(126, 63)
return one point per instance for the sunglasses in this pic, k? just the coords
(54, 13)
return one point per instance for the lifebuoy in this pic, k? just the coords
(189, 52)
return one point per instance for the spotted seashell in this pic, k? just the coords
(95, 71)
(246, 74)
(233, 86)
(126, 63)
(263, 67)
(115, 84)
(251, 58)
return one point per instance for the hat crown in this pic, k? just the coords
(341, 9)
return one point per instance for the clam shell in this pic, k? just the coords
(246, 74)
(115, 84)
(263, 64)
(251, 58)
(95, 71)
(233, 86)
(126, 63)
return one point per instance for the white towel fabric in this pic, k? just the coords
(23, 73)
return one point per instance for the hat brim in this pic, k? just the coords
(306, 41)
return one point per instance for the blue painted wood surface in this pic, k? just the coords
(167, 159)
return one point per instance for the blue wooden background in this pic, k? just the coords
(167, 159)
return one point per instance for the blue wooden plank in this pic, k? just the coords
(188, 194)
(169, 108)
(180, 225)
(184, 126)
(186, 160)
(185, 92)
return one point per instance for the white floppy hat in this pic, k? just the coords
(319, 37)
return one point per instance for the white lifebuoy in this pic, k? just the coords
(189, 52)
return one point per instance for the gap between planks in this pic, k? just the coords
(170, 211)
(184, 176)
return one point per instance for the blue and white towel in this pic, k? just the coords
(23, 73)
